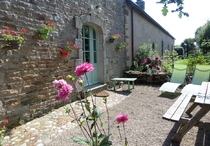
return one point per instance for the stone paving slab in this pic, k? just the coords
(41, 131)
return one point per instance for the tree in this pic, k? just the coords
(202, 37)
(188, 45)
(179, 8)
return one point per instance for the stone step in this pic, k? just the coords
(96, 88)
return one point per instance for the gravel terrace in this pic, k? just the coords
(145, 106)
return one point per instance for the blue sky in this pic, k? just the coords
(180, 28)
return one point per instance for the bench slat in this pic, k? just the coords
(176, 110)
(202, 92)
(123, 79)
(207, 100)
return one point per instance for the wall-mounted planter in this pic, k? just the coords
(14, 44)
(111, 40)
(64, 53)
(44, 34)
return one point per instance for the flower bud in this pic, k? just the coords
(80, 82)
(71, 78)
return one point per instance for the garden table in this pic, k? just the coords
(124, 79)
(203, 100)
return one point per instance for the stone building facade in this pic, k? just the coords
(27, 73)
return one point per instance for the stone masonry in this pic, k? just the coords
(26, 74)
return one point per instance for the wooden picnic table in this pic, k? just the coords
(175, 111)
(124, 79)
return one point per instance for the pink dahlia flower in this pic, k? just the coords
(122, 118)
(83, 68)
(59, 83)
(64, 92)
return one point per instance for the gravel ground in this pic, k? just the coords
(145, 106)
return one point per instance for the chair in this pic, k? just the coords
(177, 78)
(201, 74)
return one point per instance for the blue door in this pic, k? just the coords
(90, 54)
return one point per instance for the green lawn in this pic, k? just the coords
(181, 61)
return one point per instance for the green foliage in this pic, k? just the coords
(144, 51)
(179, 8)
(168, 60)
(202, 36)
(188, 45)
(192, 61)
(164, 11)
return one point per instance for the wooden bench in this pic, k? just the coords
(124, 79)
(175, 112)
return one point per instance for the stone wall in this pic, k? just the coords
(26, 74)
(146, 78)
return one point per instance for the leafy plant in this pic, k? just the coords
(116, 36)
(10, 35)
(3, 129)
(152, 65)
(48, 26)
(70, 46)
(121, 45)
(168, 60)
(89, 121)
(144, 51)
(192, 61)
(179, 8)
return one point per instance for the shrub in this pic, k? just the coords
(192, 61)
(152, 65)
(168, 60)
(144, 51)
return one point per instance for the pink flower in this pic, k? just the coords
(59, 83)
(5, 122)
(83, 68)
(122, 118)
(64, 92)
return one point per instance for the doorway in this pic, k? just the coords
(90, 53)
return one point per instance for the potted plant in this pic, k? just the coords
(114, 37)
(69, 47)
(48, 27)
(13, 38)
(121, 46)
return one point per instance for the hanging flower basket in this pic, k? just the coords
(13, 38)
(111, 40)
(43, 33)
(64, 53)
(47, 27)
(120, 46)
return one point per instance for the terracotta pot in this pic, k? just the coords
(43, 33)
(64, 53)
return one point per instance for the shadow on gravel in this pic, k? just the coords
(169, 95)
(123, 92)
(203, 137)
(168, 141)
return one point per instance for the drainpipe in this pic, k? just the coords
(132, 36)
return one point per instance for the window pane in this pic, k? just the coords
(94, 34)
(87, 48)
(95, 57)
(86, 33)
(94, 45)
(86, 56)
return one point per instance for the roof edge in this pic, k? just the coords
(131, 3)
